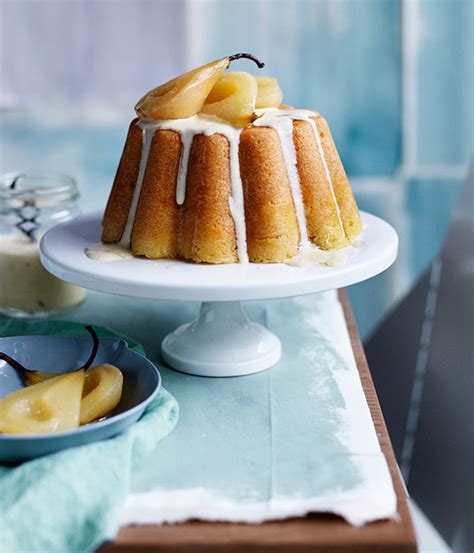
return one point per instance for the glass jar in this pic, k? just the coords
(30, 204)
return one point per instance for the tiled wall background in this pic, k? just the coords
(394, 77)
(343, 58)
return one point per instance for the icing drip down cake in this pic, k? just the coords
(216, 170)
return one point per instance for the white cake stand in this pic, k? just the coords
(221, 341)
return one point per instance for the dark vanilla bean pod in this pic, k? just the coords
(95, 347)
(16, 365)
(244, 55)
(31, 377)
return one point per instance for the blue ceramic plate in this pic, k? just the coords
(141, 382)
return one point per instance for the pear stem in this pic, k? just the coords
(241, 55)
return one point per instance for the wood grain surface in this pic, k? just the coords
(315, 533)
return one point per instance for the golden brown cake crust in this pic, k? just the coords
(202, 230)
(322, 218)
(206, 232)
(120, 199)
(156, 222)
(270, 217)
(342, 189)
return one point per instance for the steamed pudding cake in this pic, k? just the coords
(216, 170)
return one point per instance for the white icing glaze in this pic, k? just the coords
(278, 119)
(284, 127)
(186, 141)
(275, 118)
(127, 233)
(236, 201)
(312, 122)
(312, 256)
(358, 243)
(108, 252)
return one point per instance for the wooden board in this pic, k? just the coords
(314, 533)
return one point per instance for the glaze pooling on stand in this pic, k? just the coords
(108, 252)
(312, 256)
(281, 120)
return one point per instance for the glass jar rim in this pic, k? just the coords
(50, 186)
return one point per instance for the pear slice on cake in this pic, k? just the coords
(50, 406)
(184, 96)
(269, 93)
(233, 98)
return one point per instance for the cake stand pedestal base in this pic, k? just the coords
(222, 341)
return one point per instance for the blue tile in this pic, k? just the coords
(445, 82)
(420, 210)
(341, 58)
(90, 153)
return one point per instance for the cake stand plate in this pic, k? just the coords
(221, 341)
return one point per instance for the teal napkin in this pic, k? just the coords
(71, 501)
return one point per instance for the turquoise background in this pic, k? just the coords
(341, 58)
(445, 82)
(351, 59)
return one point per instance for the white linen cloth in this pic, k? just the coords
(298, 438)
